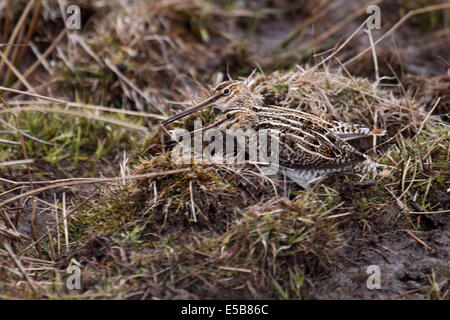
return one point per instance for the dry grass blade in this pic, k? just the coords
(341, 25)
(12, 233)
(20, 266)
(430, 212)
(413, 115)
(342, 46)
(6, 25)
(16, 72)
(76, 114)
(16, 163)
(16, 31)
(324, 8)
(33, 220)
(360, 91)
(31, 28)
(132, 85)
(9, 142)
(14, 55)
(44, 56)
(321, 38)
(91, 181)
(57, 224)
(14, 130)
(77, 105)
(399, 24)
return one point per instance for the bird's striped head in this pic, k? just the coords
(227, 96)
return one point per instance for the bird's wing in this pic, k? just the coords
(306, 142)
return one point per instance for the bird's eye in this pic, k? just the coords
(229, 116)
(226, 91)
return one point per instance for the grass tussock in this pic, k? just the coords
(197, 199)
(272, 251)
(336, 96)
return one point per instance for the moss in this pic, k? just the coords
(74, 140)
(161, 205)
(281, 241)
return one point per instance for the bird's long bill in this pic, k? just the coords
(198, 107)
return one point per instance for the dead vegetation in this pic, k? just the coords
(170, 231)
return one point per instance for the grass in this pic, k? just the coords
(62, 141)
(215, 231)
(268, 246)
(272, 245)
(161, 205)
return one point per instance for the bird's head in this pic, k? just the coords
(228, 96)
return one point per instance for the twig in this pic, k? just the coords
(421, 242)
(235, 269)
(14, 55)
(13, 234)
(444, 62)
(34, 225)
(58, 236)
(9, 142)
(44, 62)
(8, 220)
(339, 26)
(338, 49)
(26, 134)
(342, 24)
(6, 25)
(422, 125)
(52, 246)
(321, 12)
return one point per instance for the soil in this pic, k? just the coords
(405, 265)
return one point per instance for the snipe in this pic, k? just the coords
(310, 147)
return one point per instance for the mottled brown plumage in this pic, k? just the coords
(309, 147)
